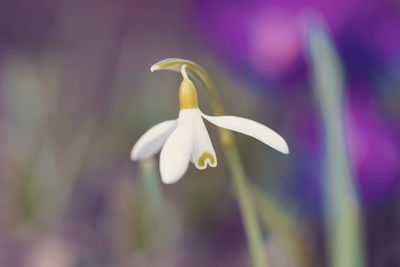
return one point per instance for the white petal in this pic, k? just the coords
(175, 154)
(203, 152)
(251, 128)
(152, 141)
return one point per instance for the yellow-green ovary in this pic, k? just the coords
(187, 95)
(202, 160)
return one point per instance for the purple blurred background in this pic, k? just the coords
(76, 93)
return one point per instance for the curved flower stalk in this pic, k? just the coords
(186, 139)
(196, 146)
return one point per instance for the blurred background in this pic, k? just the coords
(76, 92)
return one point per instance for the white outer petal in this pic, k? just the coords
(151, 142)
(201, 143)
(175, 154)
(251, 128)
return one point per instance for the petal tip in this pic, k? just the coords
(134, 155)
(285, 149)
(213, 165)
(170, 179)
(211, 162)
(154, 68)
(207, 163)
(171, 174)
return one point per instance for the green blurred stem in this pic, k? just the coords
(284, 227)
(151, 184)
(343, 216)
(246, 203)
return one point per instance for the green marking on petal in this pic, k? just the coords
(202, 160)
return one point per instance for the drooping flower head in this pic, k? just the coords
(186, 139)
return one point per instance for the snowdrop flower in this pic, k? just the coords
(186, 139)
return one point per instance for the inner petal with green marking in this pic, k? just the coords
(202, 159)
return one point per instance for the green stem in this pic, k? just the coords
(343, 216)
(151, 184)
(283, 226)
(246, 203)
